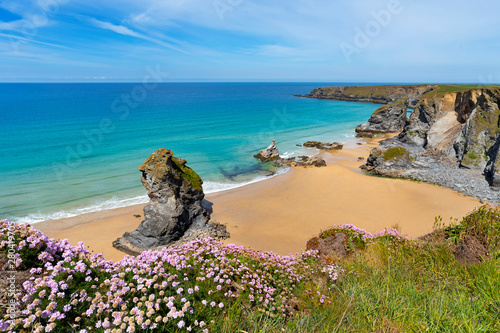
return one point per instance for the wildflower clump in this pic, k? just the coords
(178, 289)
(358, 239)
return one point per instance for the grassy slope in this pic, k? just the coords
(456, 88)
(390, 285)
(406, 287)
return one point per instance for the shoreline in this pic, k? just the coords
(281, 213)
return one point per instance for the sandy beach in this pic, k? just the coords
(280, 214)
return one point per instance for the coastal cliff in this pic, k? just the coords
(452, 138)
(383, 94)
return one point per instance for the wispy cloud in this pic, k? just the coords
(122, 30)
(30, 40)
(257, 38)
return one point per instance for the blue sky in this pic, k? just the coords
(256, 40)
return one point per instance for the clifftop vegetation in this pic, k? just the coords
(447, 281)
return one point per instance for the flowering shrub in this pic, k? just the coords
(177, 289)
(359, 238)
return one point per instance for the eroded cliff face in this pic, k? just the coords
(477, 146)
(459, 126)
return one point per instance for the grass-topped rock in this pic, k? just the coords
(162, 164)
(388, 162)
(175, 207)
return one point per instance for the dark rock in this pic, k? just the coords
(324, 145)
(365, 134)
(390, 162)
(175, 193)
(302, 161)
(454, 140)
(271, 153)
(315, 161)
(389, 118)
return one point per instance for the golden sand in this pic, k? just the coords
(282, 213)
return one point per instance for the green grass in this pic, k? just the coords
(383, 91)
(415, 286)
(189, 174)
(456, 88)
(388, 284)
(396, 288)
(372, 91)
(395, 153)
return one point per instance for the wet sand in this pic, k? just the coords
(280, 214)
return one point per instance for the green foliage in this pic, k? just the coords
(444, 89)
(189, 174)
(413, 286)
(396, 153)
(389, 284)
(484, 224)
(471, 159)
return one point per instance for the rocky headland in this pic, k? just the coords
(175, 213)
(374, 94)
(452, 138)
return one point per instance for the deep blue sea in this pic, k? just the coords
(68, 149)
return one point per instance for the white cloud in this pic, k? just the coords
(119, 29)
(29, 40)
(122, 30)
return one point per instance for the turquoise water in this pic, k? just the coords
(68, 149)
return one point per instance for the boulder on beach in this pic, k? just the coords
(175, 204)
(324, 145)
(303, 161)
(269, 154)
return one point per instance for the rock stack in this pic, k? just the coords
(175, 204)
(271, 153)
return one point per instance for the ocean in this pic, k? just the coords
(72, 148)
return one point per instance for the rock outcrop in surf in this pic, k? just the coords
(271, 153)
